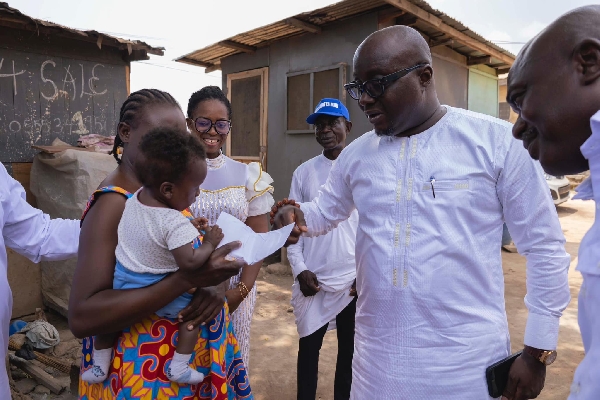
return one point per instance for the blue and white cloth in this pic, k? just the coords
(127, 279)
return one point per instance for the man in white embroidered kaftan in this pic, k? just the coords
(432, 185)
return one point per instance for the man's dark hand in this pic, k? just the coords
(206, 304)
(525, 379)
(279, 205)
(219, 267)
(288, 214)
(309, 285)
(353, 291)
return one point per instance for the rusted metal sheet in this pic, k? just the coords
(137, 50)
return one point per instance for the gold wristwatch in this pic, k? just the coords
(546, 357)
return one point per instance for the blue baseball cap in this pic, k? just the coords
(327, 106)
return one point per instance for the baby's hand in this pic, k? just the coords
(213, 235)
(200, 223)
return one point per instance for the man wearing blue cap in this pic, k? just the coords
(324, 268)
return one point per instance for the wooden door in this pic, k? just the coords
(248, 93)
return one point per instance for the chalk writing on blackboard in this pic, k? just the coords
(14, 126)
(78, 119)
(91, 80)
(55, 95)
(45, 97)
(70, 80)
(77, 124)
(13, 75)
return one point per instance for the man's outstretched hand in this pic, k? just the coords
(287, 212)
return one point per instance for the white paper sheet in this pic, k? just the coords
(255, 246)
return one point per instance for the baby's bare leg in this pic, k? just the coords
(105, 341)
(180, 371)
(187, 339)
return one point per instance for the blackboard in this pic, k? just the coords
(44, 97)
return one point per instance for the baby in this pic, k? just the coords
(156, 239)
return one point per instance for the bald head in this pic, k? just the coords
(554, 86)
(577, 24)
(395, 63)
(560, 38)
(397, 45)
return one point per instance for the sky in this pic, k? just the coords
(182, 26)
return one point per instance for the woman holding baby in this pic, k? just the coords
(145, 343)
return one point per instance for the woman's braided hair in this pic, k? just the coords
(131, 108)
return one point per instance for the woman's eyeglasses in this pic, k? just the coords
(203, 125)
(375, 87)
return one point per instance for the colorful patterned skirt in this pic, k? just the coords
(143, 353)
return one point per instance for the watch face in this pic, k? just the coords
(550, 357)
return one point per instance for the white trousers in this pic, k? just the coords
(586, 383)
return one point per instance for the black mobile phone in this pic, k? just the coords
(497, 375)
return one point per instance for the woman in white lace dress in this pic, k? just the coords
(242, 190)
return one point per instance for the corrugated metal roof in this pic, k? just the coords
(459, 26)
(263, 36)
(137, 50)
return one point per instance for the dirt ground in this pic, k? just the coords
(274, 340)
(68, 349)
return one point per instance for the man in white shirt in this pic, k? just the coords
(432, 185)
(324, 267)
(554, 86)
(31, 233)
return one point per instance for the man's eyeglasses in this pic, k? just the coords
(203, 125)
(375, 87)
